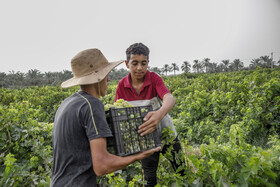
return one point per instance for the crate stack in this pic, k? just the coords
(124, 123)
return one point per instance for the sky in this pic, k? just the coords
(46, 35)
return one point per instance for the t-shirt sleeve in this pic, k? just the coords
(161, 89)
(95, 122)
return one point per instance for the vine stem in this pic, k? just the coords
(10, 139)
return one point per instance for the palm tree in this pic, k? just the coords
(237, 64)
(2, 79)
(196, 66)
(266, 61)
(255, 63)
(206, 64)
(174, 67)
(226, 64)
(33, 77)
(213, 67)
(220, 67)
(62, 76)
(186, 67)
(20, 77)
(118, 74)
(166, 68)
(49, 78)
(155, 69)
(14, 79)
(200, 67)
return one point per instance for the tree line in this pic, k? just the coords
(36, 78)
(206, 66)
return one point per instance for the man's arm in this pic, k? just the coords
(103, 162)
(152, 119)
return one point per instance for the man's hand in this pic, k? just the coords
(144, 154)
(152, 120)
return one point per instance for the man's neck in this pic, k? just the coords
(90, 89)
(135, 81)
(137, 84)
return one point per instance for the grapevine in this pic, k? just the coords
(232, 118)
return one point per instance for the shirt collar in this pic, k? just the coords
(147, 80)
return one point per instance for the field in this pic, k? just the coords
(228, 123)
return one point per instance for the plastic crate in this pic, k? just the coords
(124, 123)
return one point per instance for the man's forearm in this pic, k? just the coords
(168, 103)
(113, 163)
(104, 162)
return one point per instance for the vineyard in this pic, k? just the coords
(228, 124)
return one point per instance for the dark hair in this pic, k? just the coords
(137, 49)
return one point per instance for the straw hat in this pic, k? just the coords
(89, 66)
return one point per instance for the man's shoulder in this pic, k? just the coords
(83, 98)
(154, 77)
(123, 81)
(154, 74)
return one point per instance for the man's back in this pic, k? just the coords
(71, 149)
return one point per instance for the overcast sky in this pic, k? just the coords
(45, 35)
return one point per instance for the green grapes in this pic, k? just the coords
(120, 103)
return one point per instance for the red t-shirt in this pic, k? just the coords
(153, 86)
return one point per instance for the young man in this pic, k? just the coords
(141, 87)
(80, 127)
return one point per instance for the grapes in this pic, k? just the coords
(144, 110)
(120, 103)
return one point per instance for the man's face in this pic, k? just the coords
(138, 65)
(104, 86)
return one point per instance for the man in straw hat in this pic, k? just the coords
(80, 127)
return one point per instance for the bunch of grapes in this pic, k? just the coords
(120, 103)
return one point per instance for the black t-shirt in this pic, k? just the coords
(79, 119)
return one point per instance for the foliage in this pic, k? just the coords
(228, 123)
(118, 74)
(26, 151)
(208, 105)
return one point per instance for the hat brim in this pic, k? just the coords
(93, 77)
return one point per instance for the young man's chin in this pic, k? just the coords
(140, 75)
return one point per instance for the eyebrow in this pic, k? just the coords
(138, 61)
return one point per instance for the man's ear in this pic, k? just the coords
(126, 63)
